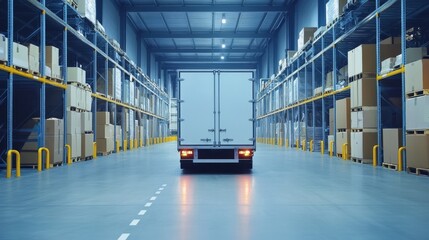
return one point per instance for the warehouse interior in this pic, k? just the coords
(89, 119)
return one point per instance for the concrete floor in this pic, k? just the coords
(142, 194)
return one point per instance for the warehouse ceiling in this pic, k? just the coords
(192, 31)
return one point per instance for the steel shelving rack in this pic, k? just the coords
(367, 22)
(25, 95)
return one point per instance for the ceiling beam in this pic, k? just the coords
(207, 50)
(206, 35)
(204, 60)
(205, 8)
(209, 66)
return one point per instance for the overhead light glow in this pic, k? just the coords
(223, 44)
(222, 57)
(223, 18)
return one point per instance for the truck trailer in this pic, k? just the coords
(216, 118)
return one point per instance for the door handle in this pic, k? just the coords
(228, 140)
(206, 140)
(211, 130)
(222, 130)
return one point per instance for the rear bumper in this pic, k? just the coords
(247, 164)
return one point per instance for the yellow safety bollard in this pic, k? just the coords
(125, 146)
(117, 146)
(311, 145)
(400, 167)
(322, 147)
(131, 144)
(345, 152)
(287, 142)
(331, 149)
(304, 145)
(374, 155)
(297, 144)
(136, 143)
(69, 161)
(39, 159)
(94, 150)
(9, 163)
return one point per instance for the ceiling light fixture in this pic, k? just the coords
(223, 18)
(222, 57)
(223, 44)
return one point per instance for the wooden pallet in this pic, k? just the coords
(75, 109)
(103, 154)
(22, 69)
(357, 130)
(77, 84)
(59, 164)
(418, 132)
(357, 109)
(390, 166)
(332, 23)
(361, 161)
(35, 73)
(418, 171)
(88, 158)
(342, 130)
(423, 92)
(340, 155)
(328, 91)
(361, 76)
(76, 159)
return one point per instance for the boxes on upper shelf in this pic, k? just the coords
(33, 58)
(74, 122)
(115, 83)
(388, 65)
(415, 54)
(86, 122)
(305, 35)
(20, 56)
(417, 113)
(52, 60)
(417, 76)
(86, 9)
(334, 9)
(392, 141)
(103, 118)
(331, 121)
(3, 48)
(76, 74)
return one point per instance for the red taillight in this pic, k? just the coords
(245, 153)
(186, 154)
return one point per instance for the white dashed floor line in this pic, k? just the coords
(160, 189)
(158, 192)
(142, 212)
(124, 236)
(164, 185)
(148, 204)
(134, 222)
(153, 198)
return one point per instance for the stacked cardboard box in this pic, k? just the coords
(52, 61)
(417, 114)
(392, 141)
(33, 58)
(87, 9)
(343, 124)
(20, 56)
(74, 131)
(54, 141)
(87, 135)
(305, 35)
(118, 138)
(3, 48)
(105, 131)
(334, 9)
(115, 83)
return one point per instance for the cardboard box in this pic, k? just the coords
(363, 93)
(3, 48)
(362, 144)
(391, 40)
(74, 140)
(343, 137)
(87, 145)
(329, 80)
(415, 54)
(417, 76)
(54, 126)
(305, 35)
(76, 74)
(104, 145)
(103, 118)
(86, 9)
(418, 151)
(86, 122)
(52, 57)
(387, 65)
(342, 114)
(119, 135)
(331, 121)
(56, 72)
(86, 98)
(392, 141)
(115, 83)
(74, 122)
(20, 55)
(105, 131)
(74, 97)
(417, 113)
(33, 58)
(365, 119)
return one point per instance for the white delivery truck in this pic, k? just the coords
(216, 118)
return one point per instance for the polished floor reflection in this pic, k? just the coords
(142, 194)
